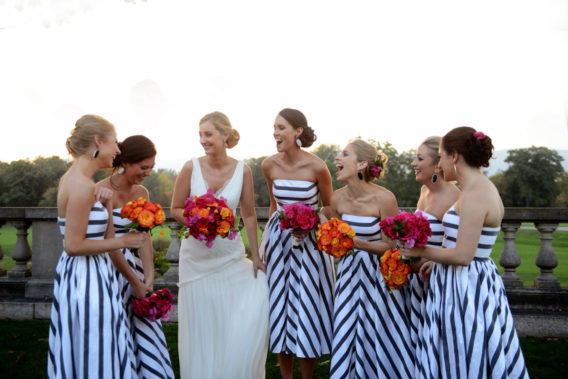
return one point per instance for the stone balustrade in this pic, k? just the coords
(46, 247)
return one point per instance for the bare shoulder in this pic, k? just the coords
(384, 194)
(142, 191)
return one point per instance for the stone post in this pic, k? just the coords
(509, 258)
(172, 275)
(546, 259)
(22, 252)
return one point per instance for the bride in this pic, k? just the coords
(223, 296)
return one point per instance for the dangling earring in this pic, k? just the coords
(120, 170)
(299, 142)
(455, 170)
(226, 144)
(359, 175)
(434, 178)
(96, 153)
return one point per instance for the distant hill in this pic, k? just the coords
(497, 163)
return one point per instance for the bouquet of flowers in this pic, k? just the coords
(297, 217)
(412, 228)
(335, 237)
(144, 214)
(154, 306)
(394, 270)
(208, 217)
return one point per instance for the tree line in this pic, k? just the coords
(534, 178)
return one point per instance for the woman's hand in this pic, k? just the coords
(299, 235)
(149, 282)
(135, 240)
(411, 253)
(415, 265)
(139, 289)
(425, 270)
(103, 194)
(258, 264)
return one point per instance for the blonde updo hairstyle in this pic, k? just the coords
(433, 144)
(365, 152)
(223, 125)
(82, 136)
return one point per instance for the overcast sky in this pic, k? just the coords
(395, 71)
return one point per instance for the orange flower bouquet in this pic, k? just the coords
(394, 269)
(335, 237)
(144, 214)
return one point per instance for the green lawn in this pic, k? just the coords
(527, 244)
(23, 353)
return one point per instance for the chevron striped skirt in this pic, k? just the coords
(301, 282)
(468, 328)
(370, 335)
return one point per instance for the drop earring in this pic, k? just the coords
(226, 144)
(434, 178)
(120, 170)
(359, 175)
(96, 153)
(299, 142)
(455, 170)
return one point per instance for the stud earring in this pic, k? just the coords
(434, 178)
(96, 153)
(299, 142)
(120, 170)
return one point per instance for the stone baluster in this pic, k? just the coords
(546, 259)
(2, 271)
(509, 258)
(172, 275)
(22, 252)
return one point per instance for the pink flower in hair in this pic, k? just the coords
(479, 135)
(375, 170)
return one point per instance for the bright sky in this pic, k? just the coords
(395, 71)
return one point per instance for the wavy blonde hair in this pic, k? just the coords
(82, 136)
(365, 152)
(222, 123)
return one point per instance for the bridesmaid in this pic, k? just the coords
(370, 325)
(300, 279)
(135, 271)
(436, 197)
(470, 327)
(89, 334)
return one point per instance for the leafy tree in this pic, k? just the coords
(532, 179)
(22, 184)
(399, 176)
(49, 198)
(160, 185)
(562, 199)
(261, 197)
(327, 153)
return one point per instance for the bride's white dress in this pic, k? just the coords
(222, 308)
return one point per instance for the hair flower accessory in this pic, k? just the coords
(376, 168)
(479, 135)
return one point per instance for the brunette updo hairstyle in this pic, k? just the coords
(475, 150)
(134, 149)
(433, 144)
(223, 125)
(298, 120)
(365, 152)
(82, 136)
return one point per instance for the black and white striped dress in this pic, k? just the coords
(152, 356)
(300, 280)
(468, 329)
(418, 289)
(371, 337)
(89, 332)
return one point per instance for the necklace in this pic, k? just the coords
(114, 186)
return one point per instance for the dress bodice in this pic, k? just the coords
(119, 223)
(487, 239)
(435, 240)
(196, 259)
(366, 227)
(287, 191)
(231, 190)
(97, 222)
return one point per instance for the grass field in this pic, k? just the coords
(23, 353)
(527, 244)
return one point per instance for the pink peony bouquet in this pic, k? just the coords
(208, 217)
(411, 228)
(155, 306)
(298, 217)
